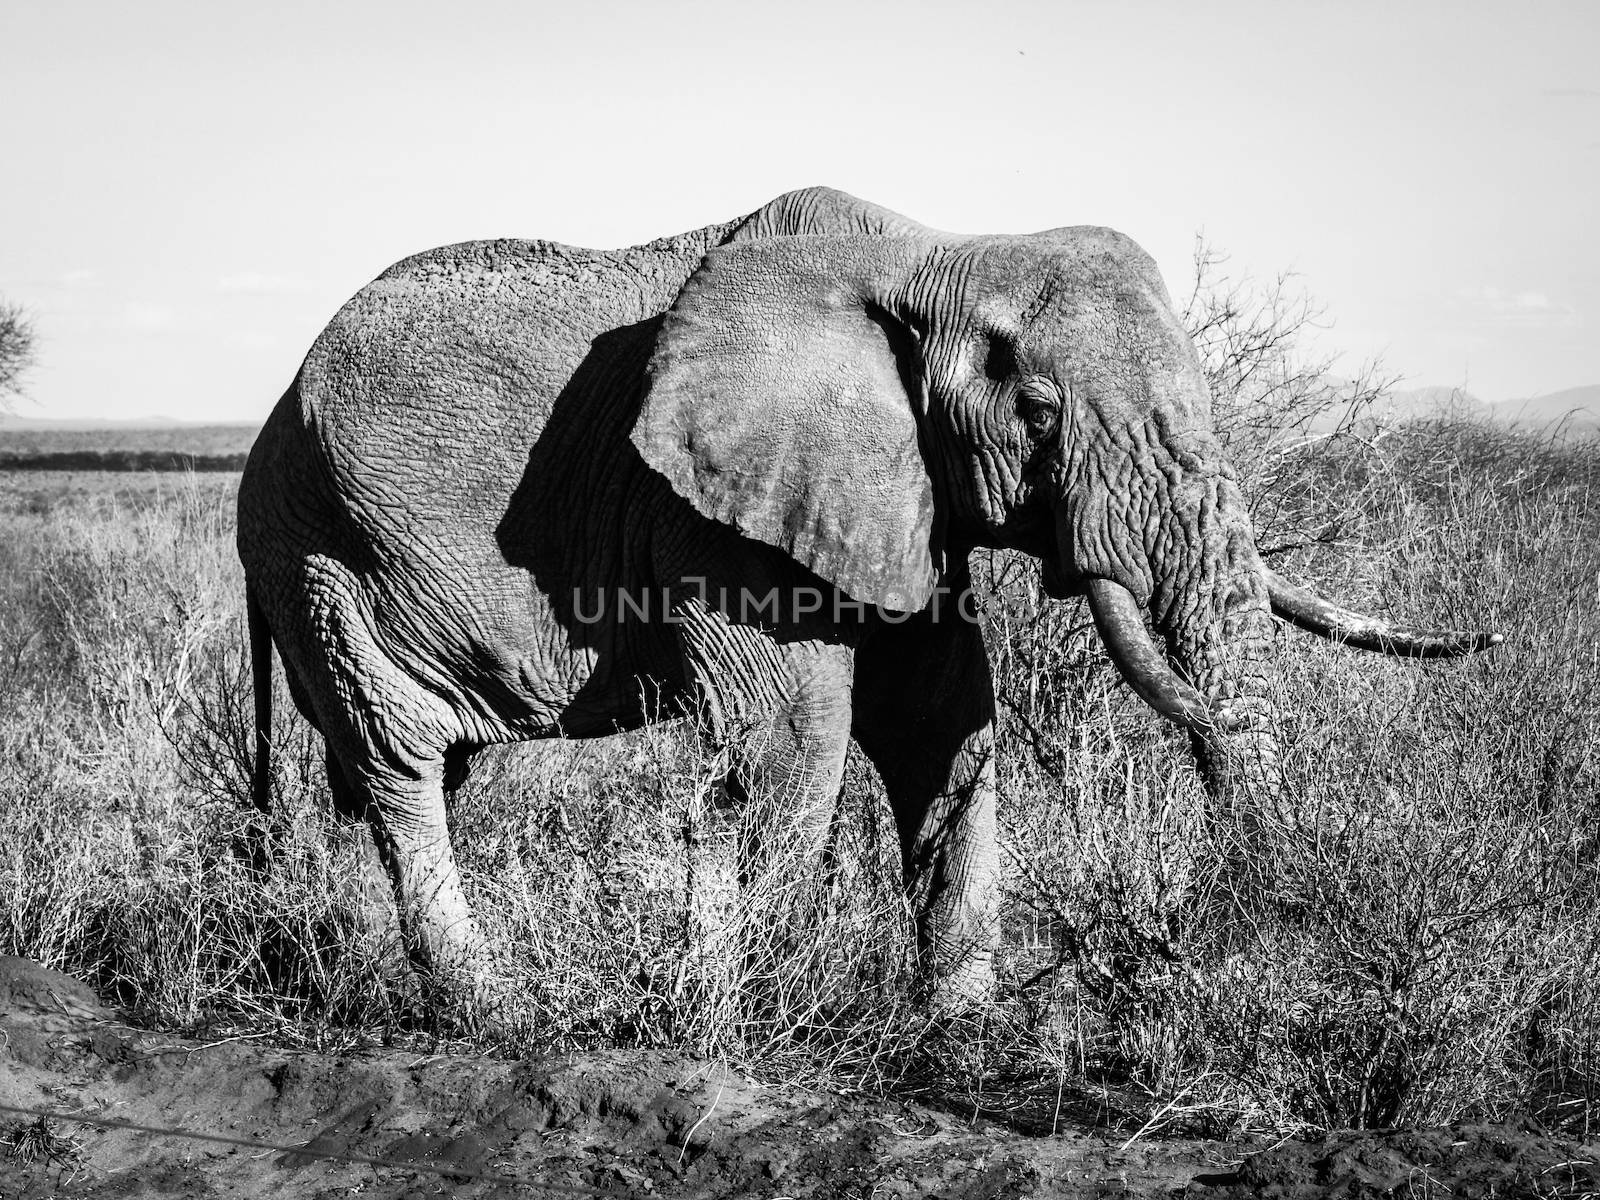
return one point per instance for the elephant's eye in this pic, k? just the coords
(1040, 412)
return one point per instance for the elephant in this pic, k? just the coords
(523, 490)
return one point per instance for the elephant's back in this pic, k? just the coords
(430, 388)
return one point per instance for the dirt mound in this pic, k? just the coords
(386, 1123)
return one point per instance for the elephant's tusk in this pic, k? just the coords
(1307, 610)
(1121, 626)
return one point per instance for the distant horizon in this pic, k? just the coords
(15, 417)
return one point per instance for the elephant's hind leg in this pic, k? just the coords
(390, 748)
(407, 812)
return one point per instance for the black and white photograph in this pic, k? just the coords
(853, 600)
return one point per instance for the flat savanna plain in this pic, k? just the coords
(1408, 939)
(132, 449)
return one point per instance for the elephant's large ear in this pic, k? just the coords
(784, 401)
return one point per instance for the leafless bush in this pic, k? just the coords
(17, 347)
(1278, 406)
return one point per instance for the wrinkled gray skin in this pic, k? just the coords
(493, 439)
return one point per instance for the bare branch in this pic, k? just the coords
(1274, 404)
(17, 343)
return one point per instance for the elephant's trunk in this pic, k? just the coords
(1210, 602)
(1212, 605)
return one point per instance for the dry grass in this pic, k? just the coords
(1409, 936)
(37, 1141)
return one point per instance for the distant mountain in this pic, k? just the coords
(1399, 407)
(1576, 408)
(1416, 403)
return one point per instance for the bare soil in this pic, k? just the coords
(394, 1123)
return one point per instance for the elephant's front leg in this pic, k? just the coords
(779, 706)
(924, 714)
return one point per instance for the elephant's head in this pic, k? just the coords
(876, 405)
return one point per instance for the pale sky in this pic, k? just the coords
(188, 191)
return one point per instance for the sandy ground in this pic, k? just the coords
(392, 1124)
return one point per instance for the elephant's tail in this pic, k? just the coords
(261, 685)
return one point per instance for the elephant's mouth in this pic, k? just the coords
(1055, 583)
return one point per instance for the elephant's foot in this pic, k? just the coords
(963, 986)
(957, 938)
(464, 983)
